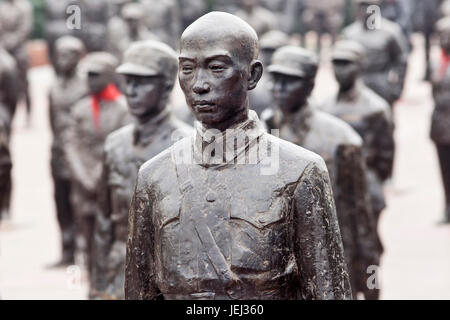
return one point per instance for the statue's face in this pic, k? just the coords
(345, 72)
(67, 60)
(145, 95)
(290, 93)
(133, 24)
(214, 80)
(97, 82)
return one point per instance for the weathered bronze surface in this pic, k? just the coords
(207, 230)
(440, 124)
(68, 89)
(92, 119)
(293, 70)
(150, 68)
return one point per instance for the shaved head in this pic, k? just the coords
(221, 27)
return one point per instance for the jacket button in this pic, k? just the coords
(211, 196)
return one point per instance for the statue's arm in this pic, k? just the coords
(354, 203)
(383, 146)
(75, 153)
(139, 271)
(318, 244)
(103, 235)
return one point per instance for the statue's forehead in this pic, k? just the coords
(203, 48)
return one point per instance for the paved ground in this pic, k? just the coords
(416, 263)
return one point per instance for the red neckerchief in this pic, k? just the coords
(445, 62)
(110, 93)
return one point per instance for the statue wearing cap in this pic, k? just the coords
(293, 70)
(260, 97)
(440, 123)
(92, 119)
(370, 116)
(68, 88)
(150, 68)
(384, 64)
(127, 28)
(16, 21)
(231, 212)
(9, 83)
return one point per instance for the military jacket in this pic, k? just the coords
(125, 151)
(226, 231)
(384, 64)
(84, 147)
(64, 94)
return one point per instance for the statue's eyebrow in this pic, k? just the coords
(186, 59)
(223, 57)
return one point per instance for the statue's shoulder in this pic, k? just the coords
(119, 138)
(335, 129)
(161, 169)
(374, 103)
(293, 159)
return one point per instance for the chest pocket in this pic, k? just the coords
(258, 230)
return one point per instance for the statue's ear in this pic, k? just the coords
(256, 71)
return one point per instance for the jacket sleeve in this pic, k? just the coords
(139, 270)
(103, 236)
(76, 155)
(318, 244)
(355, 215)
(381, 145)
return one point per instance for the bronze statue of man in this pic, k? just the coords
(370, 116)
(150, 68)
(293, 70)
(440, 124)
(92, 118)
(217, 216)
(384, 65)
(68, 89)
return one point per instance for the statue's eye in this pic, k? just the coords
(217, 67)
(186, 69)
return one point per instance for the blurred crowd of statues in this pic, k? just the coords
(110, 112)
